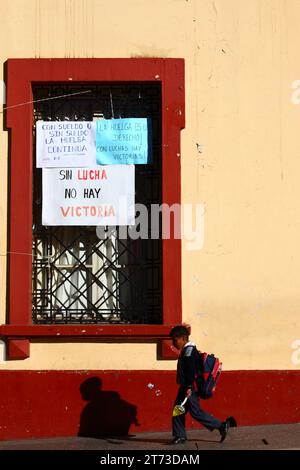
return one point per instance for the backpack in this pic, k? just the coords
(207, 374)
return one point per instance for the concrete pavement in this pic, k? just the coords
(270, 437)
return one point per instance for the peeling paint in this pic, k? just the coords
(200, 147)
(201, 314)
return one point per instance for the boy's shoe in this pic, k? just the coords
(232, 421)
(224, 430)
(229, 423)
(178, 440)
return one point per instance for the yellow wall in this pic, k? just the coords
(241, 290)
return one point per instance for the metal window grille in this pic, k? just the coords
(77, 277)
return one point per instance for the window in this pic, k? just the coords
(144, 303)
(77, 277)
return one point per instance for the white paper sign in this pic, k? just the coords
(101, 195)
(65, 144)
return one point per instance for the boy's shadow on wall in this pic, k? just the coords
(105, 414)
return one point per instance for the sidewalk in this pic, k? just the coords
(279, 437)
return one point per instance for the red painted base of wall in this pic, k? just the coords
(68, 403)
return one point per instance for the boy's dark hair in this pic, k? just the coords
(179, 331)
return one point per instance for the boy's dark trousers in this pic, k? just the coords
(192, 406)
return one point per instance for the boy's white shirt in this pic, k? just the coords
(187, 353)
(189, 343)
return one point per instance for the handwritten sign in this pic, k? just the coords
(65, 144)
(100, 195)
(121, 141)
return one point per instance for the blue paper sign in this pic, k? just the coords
(122, 141)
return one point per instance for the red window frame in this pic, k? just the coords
(22, 74)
